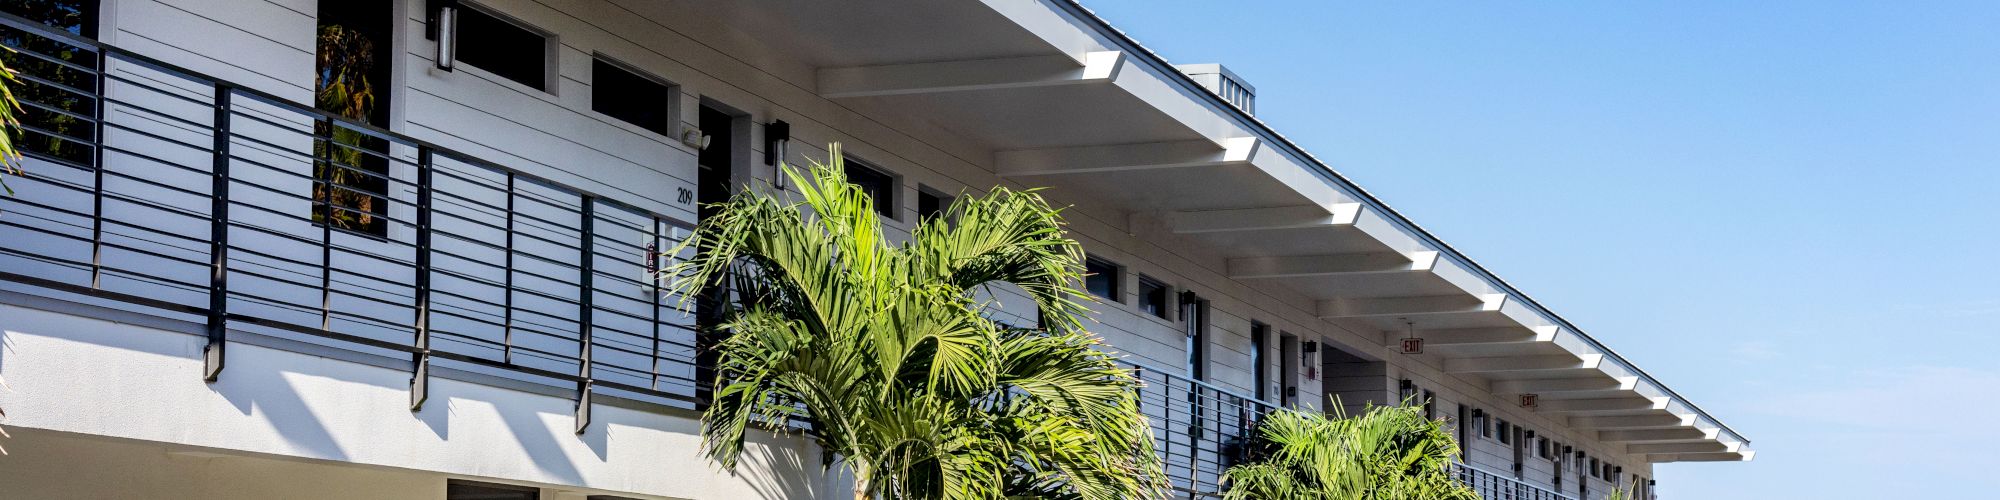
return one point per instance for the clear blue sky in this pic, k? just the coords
(1788, 211)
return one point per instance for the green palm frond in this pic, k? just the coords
(883, 347)
(10, 127)
(1386, 453)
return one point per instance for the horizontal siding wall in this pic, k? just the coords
(267, 44)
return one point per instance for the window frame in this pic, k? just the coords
(551, 47)
(671, 127)
(1142, 299)
(892, 209)
(1116, 278)
(943, 202)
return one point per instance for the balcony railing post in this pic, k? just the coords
(97, 178)
(584, 307)
(657, 262)
(218, 244)
(420, 376)
(507, 282)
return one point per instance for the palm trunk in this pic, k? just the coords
(860, 486)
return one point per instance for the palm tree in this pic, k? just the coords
(10, 160)
(10, 127)
(884, 350)
(1386, 453)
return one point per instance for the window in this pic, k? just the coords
(930, 203)
(351, 79)
(48, 105)
(470, 490)
(78, 17)
(1101, 278)
(1152, 297)
(1479, 421)
(880, 186)
(1542, 448)
(1260, 374)
(503, 48)
(621, 93)
(1503, 427)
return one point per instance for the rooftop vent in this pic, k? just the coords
(1224, 83)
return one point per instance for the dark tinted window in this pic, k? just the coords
(503, 48)
(622, 94)
(469, 490)
(1152, 297)
(1101, 279)
(57, 100)
(352, 75)
(881, 187)
(78, 17)
(931, 204)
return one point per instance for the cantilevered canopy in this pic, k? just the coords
(1065, 101)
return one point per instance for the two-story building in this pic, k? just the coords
(403, 249)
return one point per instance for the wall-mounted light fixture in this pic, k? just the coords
(777, 143)
(1310, 347)
(442, 25)
(693, 138)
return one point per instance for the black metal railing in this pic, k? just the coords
(1495, 486)
(1199, 430)
(152, 185)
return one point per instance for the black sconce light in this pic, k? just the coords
(777, 143)
(1310, 347)
(442, 25)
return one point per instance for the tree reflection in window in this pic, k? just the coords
(350, 167)
(56, 81)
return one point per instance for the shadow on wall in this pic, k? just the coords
(322, 407)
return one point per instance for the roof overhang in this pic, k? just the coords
(1067, 102)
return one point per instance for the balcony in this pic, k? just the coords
(157, 189)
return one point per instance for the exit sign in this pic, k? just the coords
(1413, 345)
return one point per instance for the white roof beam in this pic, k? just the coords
(1125, 157)
(1703, 447)
(1740, 456)
(1555, 385)
(1598, 405)
(1365, 307)
(1302, 266)
(1260, 219)
(1631, 422)
(1522, 364)
(1657, 435)
(960, 76)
